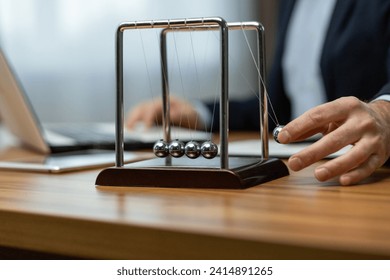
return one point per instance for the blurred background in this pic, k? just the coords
(63, 52)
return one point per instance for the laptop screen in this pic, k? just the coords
(16, 110)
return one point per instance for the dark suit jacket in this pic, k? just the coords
(355, 59)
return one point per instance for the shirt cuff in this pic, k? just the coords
(384, 97)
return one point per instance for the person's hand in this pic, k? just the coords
(182, 113)
(347, 120)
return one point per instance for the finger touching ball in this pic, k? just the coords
(276, 132)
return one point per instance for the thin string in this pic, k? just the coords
(192, 50)
(256, 93)
(180, 72)
(196, 74)
(164, 74)
(273, 118)
(214, 107)
(276, 121)
(207, 131)
(215, 101)
(210, 132)
(146, 63)
(148, 73)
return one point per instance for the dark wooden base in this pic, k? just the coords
(243, 172)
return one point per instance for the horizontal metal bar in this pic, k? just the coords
(171, 23)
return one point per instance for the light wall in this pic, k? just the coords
(63, 52)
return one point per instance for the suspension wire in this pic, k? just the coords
(180, 73)
(209, 130)
(154, 100)
(214, 109)
(275, 119)
(196, 74)
(165, 75)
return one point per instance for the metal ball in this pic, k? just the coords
(276, 132)
(192, 149)
(161, 149)
(209, 150)
(176, 148)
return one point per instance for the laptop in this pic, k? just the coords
(19, 117)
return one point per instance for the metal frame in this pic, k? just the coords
(255, 26)
(198, 24)
(243, 171)
(169, 24)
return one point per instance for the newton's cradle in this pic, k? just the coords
(170, 167)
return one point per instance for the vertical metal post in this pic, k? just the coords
(119, 123)
(263, 95)
(224, 102)
(165, 87)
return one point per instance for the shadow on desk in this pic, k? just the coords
(7, 253)
(378, 176)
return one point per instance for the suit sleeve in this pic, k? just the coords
(244, 115)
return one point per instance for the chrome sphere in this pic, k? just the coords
(192, 149)
(161, 149)
(209, 150)
(276, 132)
(176, 148)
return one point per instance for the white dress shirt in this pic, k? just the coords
(301, 60)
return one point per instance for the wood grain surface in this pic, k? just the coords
(294, 217)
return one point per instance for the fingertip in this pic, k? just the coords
(346, 180)
(322, 174)
(295, 163)
(284, 136)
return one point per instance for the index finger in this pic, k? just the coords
(316, 120)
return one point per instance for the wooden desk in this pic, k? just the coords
(294, 217)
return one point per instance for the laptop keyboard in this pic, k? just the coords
(85, 135)
(101, 135)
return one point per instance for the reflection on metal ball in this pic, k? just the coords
(176, 148)
(276, 132)
(209, 150)
(161, 149)
(192, 149)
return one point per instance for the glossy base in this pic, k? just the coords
(202, 173)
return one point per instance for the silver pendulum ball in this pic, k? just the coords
(161, 149)
(192, 149)
(176, 148)
(276, 132)
(209, 150)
